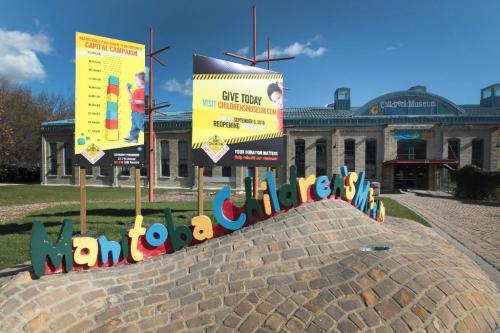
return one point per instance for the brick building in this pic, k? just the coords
(407, 139)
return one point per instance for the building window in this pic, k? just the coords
(53, 158)
(104, 171)
(320, 157)
(250, 172)
(68, 158)
(454, 149)
(477, 152)
(486, 93)
(88, 171)
(350, 154)
(165, 158)
(412, 149)
(207, 171)
(226, 171)
(371, 159)
(183, 158)
(497, 91)
(125, 171)
(300, 157)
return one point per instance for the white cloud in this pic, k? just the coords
(243, 51)
(185, 88)
(297, 49)
(394, 47)
(19, 55)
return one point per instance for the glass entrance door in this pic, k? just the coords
(414, 176)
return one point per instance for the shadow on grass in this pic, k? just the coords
(115, 212)
(16, 228)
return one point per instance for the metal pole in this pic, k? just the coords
(268, 53)
(200, 190)
(137, 190)
(269, 68)
(254, 35)
(255, 169)
(83, 201)
(151, 147)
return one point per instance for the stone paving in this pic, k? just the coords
(302, 271)
(475, 224)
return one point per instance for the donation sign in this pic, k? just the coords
(237, 114)
(109, 101)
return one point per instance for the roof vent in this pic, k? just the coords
(418, 88)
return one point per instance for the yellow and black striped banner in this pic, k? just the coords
(197, 145)
(277, 76)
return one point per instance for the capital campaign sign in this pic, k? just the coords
(139, 243)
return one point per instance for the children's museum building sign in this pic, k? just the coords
(75, 253)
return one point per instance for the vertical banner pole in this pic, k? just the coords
(83, 201)
(151, 146)
(255, 169)
(137, 191)
(201, 180)
(256, 182)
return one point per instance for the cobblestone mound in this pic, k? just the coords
(300, 271)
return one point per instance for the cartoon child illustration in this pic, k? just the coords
(275, 93)
(137, 105)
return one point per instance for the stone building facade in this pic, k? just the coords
(404, 139)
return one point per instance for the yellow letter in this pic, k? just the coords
(304, 184)
(87, 257)
(350, 188)
(202, 227)
(266, 198)
(371, 198)
(134, 235)
(381, 212)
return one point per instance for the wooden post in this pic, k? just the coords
(200, 190)
(137, 190)
(83, 201)
(256, 182)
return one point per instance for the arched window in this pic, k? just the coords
(300, 157)
(477, 152)
(454, 149)
(371, 158)
(320, 157)
(350, 154)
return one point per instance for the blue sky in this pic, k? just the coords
(372, 46)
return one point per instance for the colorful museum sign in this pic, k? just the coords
(140, 242)
(109, 101)
(237, 114)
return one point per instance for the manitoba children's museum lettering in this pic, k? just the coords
(74, 253)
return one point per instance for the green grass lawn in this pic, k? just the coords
(26, 194)
(393, 208)
(102, 218)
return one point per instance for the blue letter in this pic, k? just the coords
(321, 188)
(156, 235)
(362, 188)
(106, 246)
(218, 202)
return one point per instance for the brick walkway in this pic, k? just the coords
(302, 271)
(475, 224)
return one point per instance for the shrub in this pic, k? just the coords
(475, 183)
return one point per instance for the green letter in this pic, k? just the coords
(41, 249)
